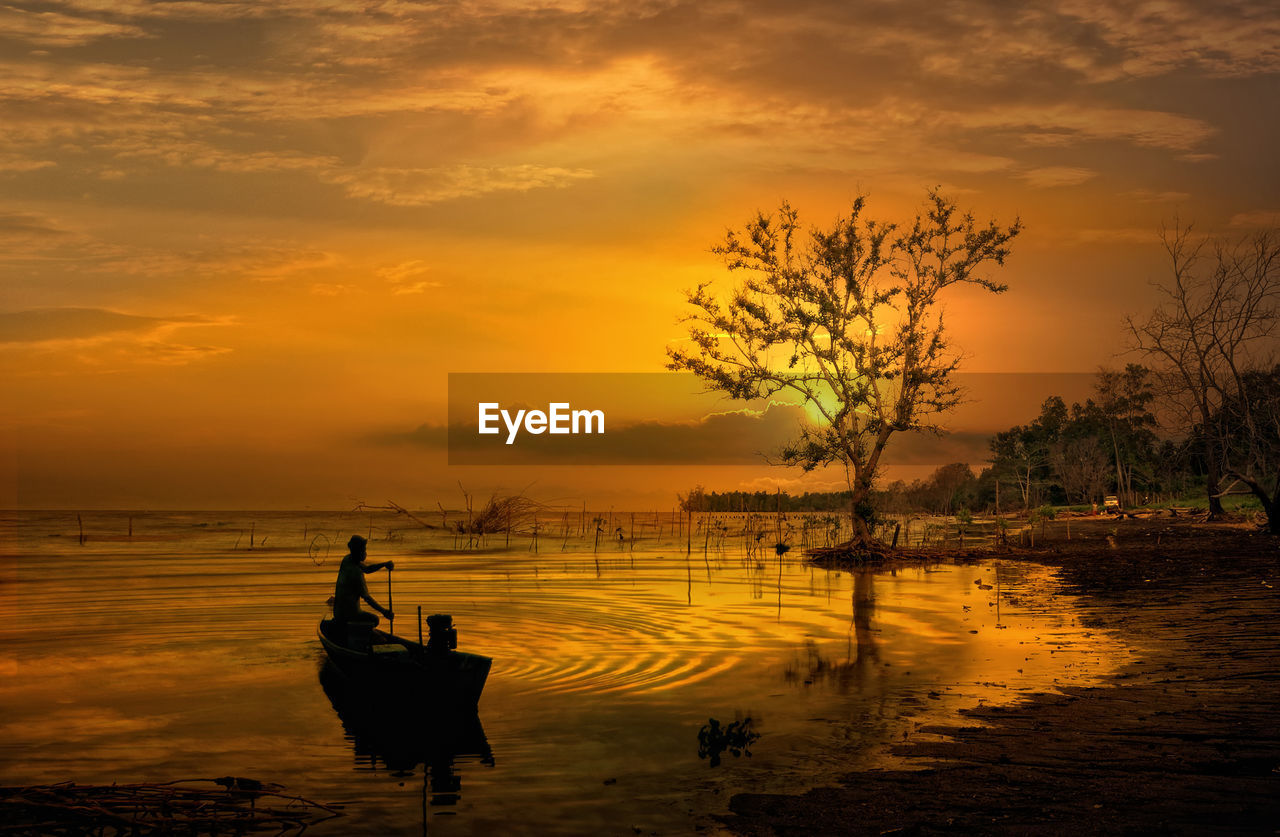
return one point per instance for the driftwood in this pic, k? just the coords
(514, 513)
(395, 508)
(233, 806)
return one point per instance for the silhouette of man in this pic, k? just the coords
(351, 587)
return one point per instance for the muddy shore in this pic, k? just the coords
(1185, 739)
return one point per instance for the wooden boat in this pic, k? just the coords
(435, 675)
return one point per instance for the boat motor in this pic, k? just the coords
(442, 637)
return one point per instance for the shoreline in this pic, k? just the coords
(1182, 739)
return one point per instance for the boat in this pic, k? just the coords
(433, 676)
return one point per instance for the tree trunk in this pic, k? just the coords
(1211, 485)
(1270, 505)
(1214, 469)
(1121, 494)
(862, 537)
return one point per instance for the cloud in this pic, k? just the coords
(414, 287)
(1070, 124)
(404, 270)
(331, 289)
(28, 224)
(1257, 219)
(266, 261)
(178, 152)
(17, 163)
(420, 187)
(175, 354)
(1226, 39)
(359, 95)
(1152, 196)
(104, 340)
(1113, 235)
(43, 324)
(1052, 176)
(55, 29)
(404, 279)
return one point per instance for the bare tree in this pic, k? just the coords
(1217, 321)
(1250, 425)
(1122, 412)
(850, 320)
(1083, 466)
(1023, 452)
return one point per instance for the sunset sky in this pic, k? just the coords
(242, 244)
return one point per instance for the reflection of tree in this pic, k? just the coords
(867, 652)
(862, 667)
(737, 737)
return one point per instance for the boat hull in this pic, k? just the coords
(404, 670)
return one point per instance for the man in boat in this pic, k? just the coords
(351, 587)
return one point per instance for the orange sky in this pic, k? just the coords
(244, 241)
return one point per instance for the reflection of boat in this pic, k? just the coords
(434, 675)
(398, 733)
(389, 731)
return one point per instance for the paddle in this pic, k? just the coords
(391, 627)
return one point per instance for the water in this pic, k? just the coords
(180, 653)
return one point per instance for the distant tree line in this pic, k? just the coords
(699, 499)
(951, 488)
(1107, 445)
(1204, 411)
(1112, 444)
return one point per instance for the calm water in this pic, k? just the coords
(181, 653)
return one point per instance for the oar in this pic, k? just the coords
(391, 627)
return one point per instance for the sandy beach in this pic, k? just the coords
(1182, 740)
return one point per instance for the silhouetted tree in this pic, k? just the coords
(1082, 466)
(1220, 306)
(848, 319)
(1120, 419)
(1250, 421)
(694, 501)
(1022, 453)
(952, 487)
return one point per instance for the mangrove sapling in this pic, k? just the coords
(965, 518)
(1044, 514)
